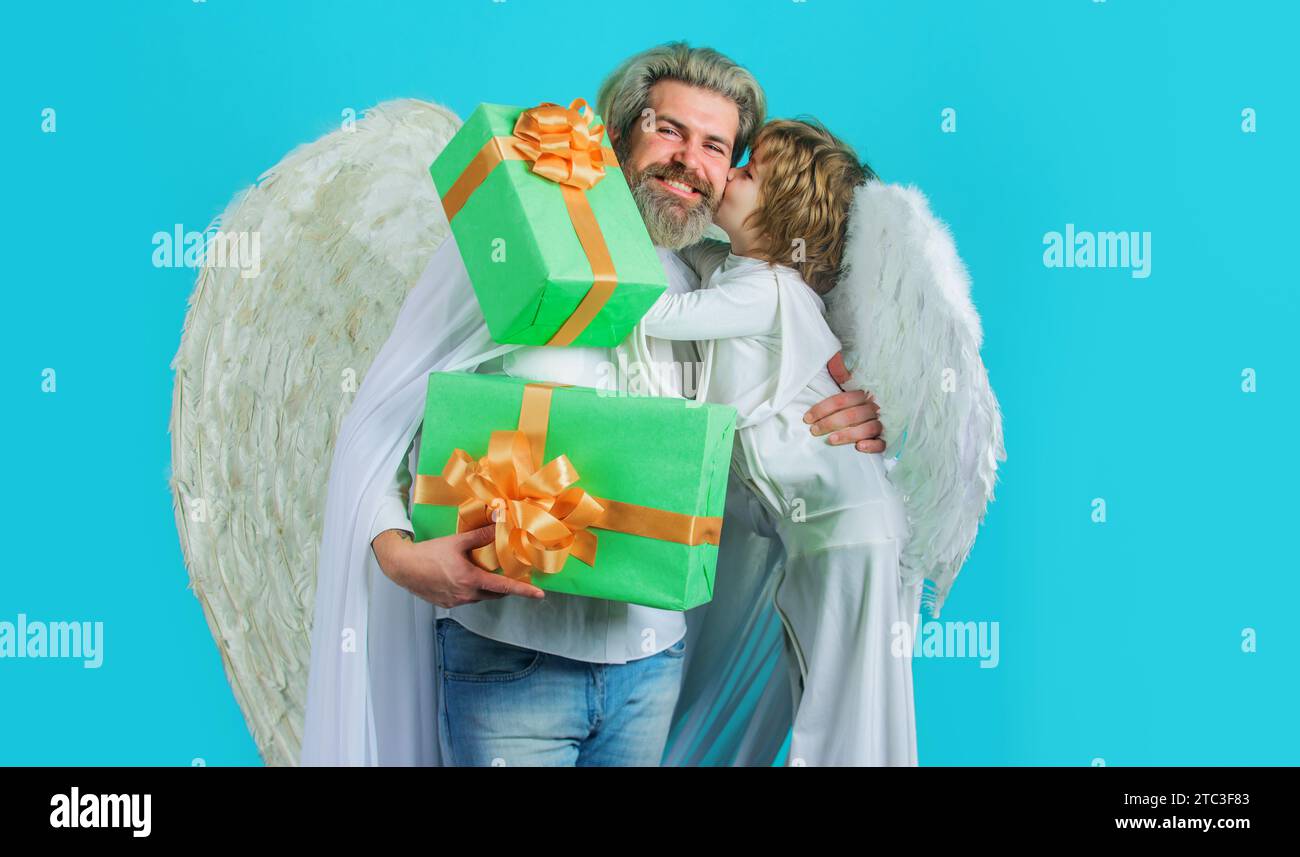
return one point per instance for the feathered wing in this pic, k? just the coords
(266, 370)
(912, 337)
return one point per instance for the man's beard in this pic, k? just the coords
(671, 221)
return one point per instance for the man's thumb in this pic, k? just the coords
(478, 538)
(839, 372)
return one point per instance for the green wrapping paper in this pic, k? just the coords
(523, 254)
(663, 453)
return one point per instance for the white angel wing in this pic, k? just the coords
(911, 336)
(265, 372)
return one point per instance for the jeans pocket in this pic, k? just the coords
(677, 649)
(467, 656)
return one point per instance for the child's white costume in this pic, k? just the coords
(267, 369)
(902, 311)
(842, 526)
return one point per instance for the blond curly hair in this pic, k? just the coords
(808, 180)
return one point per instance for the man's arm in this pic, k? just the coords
(437, 570)
(440, 571)
(392, 513)
(392, 524)
(848, 417)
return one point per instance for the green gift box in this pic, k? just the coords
(657, 467)
(547, 228)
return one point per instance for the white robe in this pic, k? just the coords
(372, 694)
(840, 591)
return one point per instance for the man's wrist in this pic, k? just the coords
(384, 545)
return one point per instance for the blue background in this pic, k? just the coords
(1119, 641)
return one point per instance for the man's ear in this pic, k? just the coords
(613, 135)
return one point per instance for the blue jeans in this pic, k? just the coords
(506, 705)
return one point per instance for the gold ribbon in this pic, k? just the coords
(562, 146)
(541, 517)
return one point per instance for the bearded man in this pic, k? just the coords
(461, 666)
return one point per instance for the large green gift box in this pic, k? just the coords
(656, 468)
(546, 226)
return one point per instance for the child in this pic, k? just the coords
(841, 523)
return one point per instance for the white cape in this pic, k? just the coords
(347, 222)
(260, 425)
(372, 693)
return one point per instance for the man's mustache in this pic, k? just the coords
(678, 173)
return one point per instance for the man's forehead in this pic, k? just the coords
(700, 109)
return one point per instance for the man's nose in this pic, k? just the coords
(693, 162)
(688, 157)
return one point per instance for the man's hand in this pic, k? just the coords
(848, 417)
(440, 571)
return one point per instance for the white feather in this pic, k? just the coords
(903, 312)
(346, 224)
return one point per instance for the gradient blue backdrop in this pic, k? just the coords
(1119, 641)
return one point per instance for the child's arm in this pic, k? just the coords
(736, 306)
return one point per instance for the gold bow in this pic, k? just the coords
(541, 517)
(561, 144)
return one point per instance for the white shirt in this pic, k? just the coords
(767, 347)
(593, 630)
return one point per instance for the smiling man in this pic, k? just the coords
(676, 159)
(523, 679)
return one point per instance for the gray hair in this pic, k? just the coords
(626, 92)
